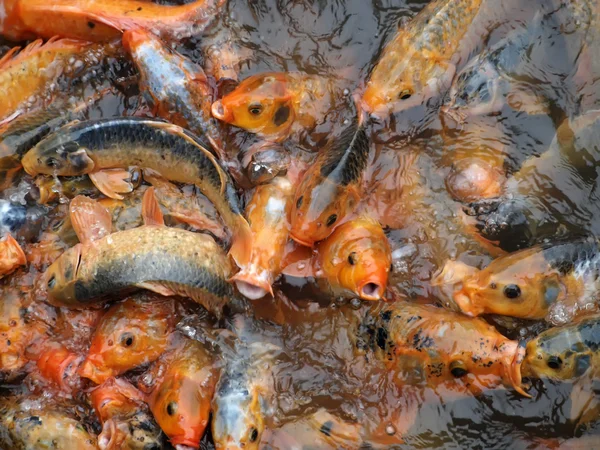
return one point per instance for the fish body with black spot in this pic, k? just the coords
(442, 345)
(555, 281)
(565, 353)
(181, 399)
(131, 333)
(274, 105)
(242, 399)
(178, 88)
(44, 426)
(356, 259)
(26, 19)
(418, 64)
(329, 191)
(99, 146)
(126, 423)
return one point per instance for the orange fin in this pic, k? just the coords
(241, 249)
(151, 212)
(157, 287)
(91, 221)
(112, 182)
(11, 255)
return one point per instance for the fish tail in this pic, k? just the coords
(241, 249)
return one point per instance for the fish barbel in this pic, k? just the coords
(105, 148)
(168, 261)
(103, 20)
(418, 63)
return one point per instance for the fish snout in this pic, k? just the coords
(219, 111)
(90, 371)
(467, 299)
(252, 284)
(371, 290)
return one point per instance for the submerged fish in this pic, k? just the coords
(44, 427)
(125, 421)
(130, 334)
(354, 260)
(276, 104)
(419, 62)
(555, 281)
(473, 179)
(24, 19)
(178, 88)
(565, 353)
(269, 215)
(180, 401)
(330, 190)
(168, 261)
(105, 148)
(441, 344)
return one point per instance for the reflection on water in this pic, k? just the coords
(547, 76)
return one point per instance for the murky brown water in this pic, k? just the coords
(317, 365)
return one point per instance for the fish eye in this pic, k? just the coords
(352, 258)
(52, 282)
(127, 339)
(253, 435)
(458, 369)
(554, 362)
(52, 162)
(405, 94)
(255, 109)
(172, 408)
(299, 202)
(331, 219)
(512, 291)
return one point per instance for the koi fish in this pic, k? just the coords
(180, 401)
(354, 260)
(104, 148)
(419, 62)
(330, 190)
(168, 261)
(555, 281)
(273, 105)
(130, 334)
(443, 344)
(178, 88)
(11, 255)
(565, 353)
(49, 426)
(125, 422)
(268, 213)
(25, 19)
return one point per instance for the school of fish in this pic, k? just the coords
(180, 223)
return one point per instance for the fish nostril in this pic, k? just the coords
(371, 290)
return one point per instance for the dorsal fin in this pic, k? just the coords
(91, 221)
(14, 55)
(151, 212)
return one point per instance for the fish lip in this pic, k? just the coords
(512, 366)
(184, 443)
(375, 290)
(251, 284)
(302, 241)
(90, 371)
(218, 111)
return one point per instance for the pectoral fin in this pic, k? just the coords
(91, 221)
(113, 182)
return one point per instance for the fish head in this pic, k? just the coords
(558, 354)
(61, 277)
(238, 422)
(58, 154)
(127, 337)
(261, 104)
(357, 258)
(181, 404)
(476, 91)
(319, 206)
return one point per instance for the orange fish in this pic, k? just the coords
(180, 402)
(330, 190)
(130, 334)
(354, 260)
(268, 213)
(58, 365)
(101, 21)
(275, 104)
(11, 255)
(125, 423)
(418, 63)
(442, 345)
